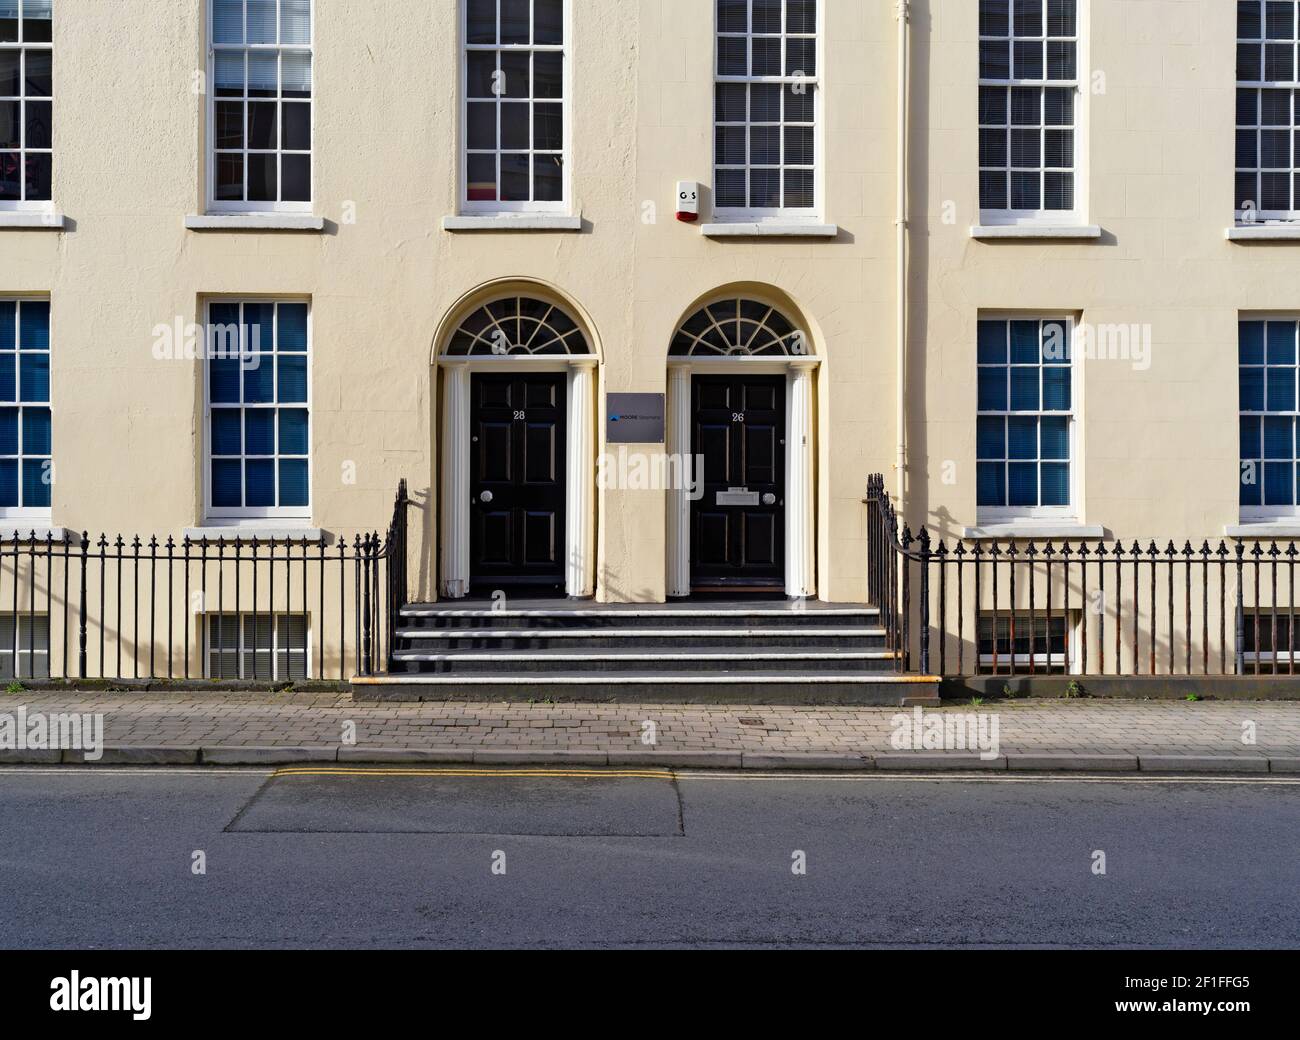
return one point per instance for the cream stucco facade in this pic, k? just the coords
(1157, 447)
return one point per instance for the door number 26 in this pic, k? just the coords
(738, 417)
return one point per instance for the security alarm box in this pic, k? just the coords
(688, 201)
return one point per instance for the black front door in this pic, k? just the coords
(738, 527)
(517, 479)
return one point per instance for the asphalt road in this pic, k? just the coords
(104, 859)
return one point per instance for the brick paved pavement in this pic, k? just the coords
(317, 720)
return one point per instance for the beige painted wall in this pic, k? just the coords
(129, 151)
(1160, 446)
(1159, 449)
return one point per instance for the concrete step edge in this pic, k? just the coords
(703, 655)
(703, 632)
(659, 612)
(662, 679)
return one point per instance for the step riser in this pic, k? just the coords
(437, 644)
(445, 623)
(663, 666)
(586, 652)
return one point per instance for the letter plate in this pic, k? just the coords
(737, 497)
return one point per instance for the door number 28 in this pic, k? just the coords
(521, 416)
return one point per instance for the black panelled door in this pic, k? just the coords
(518, 479)
(738, 527)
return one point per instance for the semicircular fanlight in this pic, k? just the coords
(518, 325)
(739, 328)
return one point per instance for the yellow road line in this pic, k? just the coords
(568, 774)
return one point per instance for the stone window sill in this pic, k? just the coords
(268, 532)
(513, 222)
(1264, 529)
(1264, 233)
(33, 221)
(254, 222)
(772, 229)
(18, 531)
(1035, 529)
(1036, 231)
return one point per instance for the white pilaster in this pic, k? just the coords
(456, 448)
(580, 566)
(679, 504)
(799, 555)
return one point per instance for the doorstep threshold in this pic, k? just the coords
(615, 679)
(669, 611)
(630, 633)
(507, 657)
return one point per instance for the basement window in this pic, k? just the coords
(257, 646)
(1006, 641)
(27, 643)
(1269, 644)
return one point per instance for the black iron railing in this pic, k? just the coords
(242, 608)
(1020, 607)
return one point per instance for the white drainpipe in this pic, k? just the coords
(900, 222)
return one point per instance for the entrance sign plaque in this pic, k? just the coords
(635, 419)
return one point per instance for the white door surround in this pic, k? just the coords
(580, 474)
(800, 554)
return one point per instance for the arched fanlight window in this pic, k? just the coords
(518, 325)
(743, 328)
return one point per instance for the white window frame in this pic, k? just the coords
(1069, 663)
(1072, 513)
(211, 648)
(563, 207)
(1292, 87)
(1266, 662)
(779, 215)
(1077, 216)
(42, 513)
(7, 647)
(219, 206)
(252, 515)
(26, 205)
(1260, 513)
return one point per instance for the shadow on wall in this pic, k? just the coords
(421, 501)
(616, 592)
